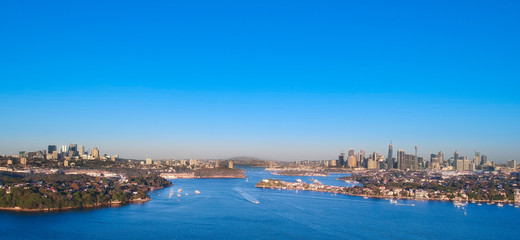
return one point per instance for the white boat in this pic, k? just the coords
(197, 192)
(480, 204)
(178, 195)
(186, 194)
(500, 205)
(171, 193)
(393, 201)
(180, 190)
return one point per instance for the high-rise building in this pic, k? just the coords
(440, 156)
(81, 150)
(149, 161)
(352, 161)
(63, 149)
(511, 164)
(456, 156)
(51, 148)
(341, 159)
(95, 153)
(74, 149)
(415, 165)
(350, 152)
(230, 164)
(389, 160)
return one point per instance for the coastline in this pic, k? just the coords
(103, 205)
(338, 190)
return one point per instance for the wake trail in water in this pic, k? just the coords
(246, 195)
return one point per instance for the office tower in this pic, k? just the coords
(389, 160)
(73, 150)
(415, 160)
(511, 164)
(455, 156)
(352, 161)
(341, 159)
(361, 158)
(63, 149)
(149, 161)
(351, 152)
(51, 148)
(81, 150)
(400, 160)
(440, 156)
(476, 157)
(95, 153)
(483, 159)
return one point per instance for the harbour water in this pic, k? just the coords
(235, 209)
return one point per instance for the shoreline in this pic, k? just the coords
(103, 205)
(337, 190)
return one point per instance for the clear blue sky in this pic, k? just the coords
(282, 80)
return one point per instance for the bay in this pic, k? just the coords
(226, 209)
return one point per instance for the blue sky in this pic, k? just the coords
(282, 80)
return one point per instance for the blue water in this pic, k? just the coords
(225, 210)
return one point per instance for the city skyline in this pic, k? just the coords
(79, 150)
(290, 81)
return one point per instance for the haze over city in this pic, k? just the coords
(294, 82)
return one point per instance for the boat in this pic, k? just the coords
(180, 190)
(459, 204)
(480, 204)
(197, 192)
(393, 201)
(171, 194)
(500, 205)
(178, 195)
(186, 194)
(365, 197)
(516, 206)
(510, 204)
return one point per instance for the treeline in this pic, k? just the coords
(58, 191)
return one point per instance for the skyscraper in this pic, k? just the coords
(351, 152)
(440, 156)
(81, 150)
(400, 160)
(389, 160)
(51, 149)
(415, 160)
(341, 159)
(95, 153)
